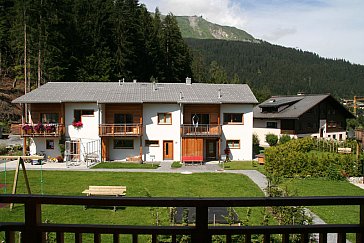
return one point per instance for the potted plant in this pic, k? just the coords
(77, 124)
(27, 128)
(50, 128)
(39, 128)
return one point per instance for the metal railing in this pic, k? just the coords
(203, 130)
(34, 229)
(120, 130)
(37, 130)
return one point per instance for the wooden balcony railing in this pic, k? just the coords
(203, 130)
(359, 134)
(37, 130)
(120, 130)
(33, 229)
(288, 132)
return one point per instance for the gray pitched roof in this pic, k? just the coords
(112, 92)
(297, 105)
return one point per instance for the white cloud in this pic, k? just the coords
(331, 28)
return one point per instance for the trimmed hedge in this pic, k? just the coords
(297, 158)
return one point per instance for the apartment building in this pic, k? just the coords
(118, 121)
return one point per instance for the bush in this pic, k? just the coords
(255, 144)
(3, 150)
(271, 139)
(176, 164)
(294, 159)
(284, 139)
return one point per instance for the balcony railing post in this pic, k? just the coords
(360, 236)
(33, 218)
(201, 233)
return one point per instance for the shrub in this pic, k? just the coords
(295, 159)
(284, 139)
(271, 139)
(176, 164)
(255, 144)
(3, 150)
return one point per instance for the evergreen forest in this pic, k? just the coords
(89, 40)
(274, 70)
(109, 40)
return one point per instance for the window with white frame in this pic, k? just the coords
(165, 118)
(233, 144)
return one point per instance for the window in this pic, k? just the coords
(233, 118)
(233, 144)
(340, 137)
(79, 113)
(123, 118)
(151, 143)
(49, 117)
(164, 118)
(200, 119)
(123, 144)
(272, 124)
(331, 124)
(49, 144)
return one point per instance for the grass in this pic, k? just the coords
(122, 165)
(243, 165)
(325, 187)
(176, 164)
(138, 185)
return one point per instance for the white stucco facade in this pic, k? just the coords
(241, 132)
(161, 132)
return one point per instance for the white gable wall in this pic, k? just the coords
(90, 128)
(161, 132)
(238, 132)
(261, 130)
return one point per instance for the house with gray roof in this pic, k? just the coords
(320, 116)
(134, 121)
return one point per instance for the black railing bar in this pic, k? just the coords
(183, 202)
(116, 229)
(284, 229)
(12, 226)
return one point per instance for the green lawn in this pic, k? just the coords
(325, 187)
(243, 165)
(122, 165)
(138, 185)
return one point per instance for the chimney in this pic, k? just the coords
(134, 81)
(188, 81)
(119, 81)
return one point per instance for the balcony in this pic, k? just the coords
(120, 130)
(288, 132)
(359, 134)
(203, 130)
(38, 130)
(33, 229)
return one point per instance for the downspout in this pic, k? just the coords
(180, 134)
(98, 128)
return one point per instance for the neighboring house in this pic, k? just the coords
(147, 121)
(320, 116)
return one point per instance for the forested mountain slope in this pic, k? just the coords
(273, 69)
(198, 28)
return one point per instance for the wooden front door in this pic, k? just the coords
(210, 149)
(168, 150)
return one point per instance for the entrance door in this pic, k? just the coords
(210, 149)
(168, 150)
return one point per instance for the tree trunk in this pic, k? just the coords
(39, 67)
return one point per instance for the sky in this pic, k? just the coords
(330, 28)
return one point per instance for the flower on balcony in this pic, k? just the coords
(50, 128)
(39, 127)
(78, 124)
(27, 127)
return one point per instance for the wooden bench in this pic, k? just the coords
(117, 191)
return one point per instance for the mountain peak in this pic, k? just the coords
(198, 28)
